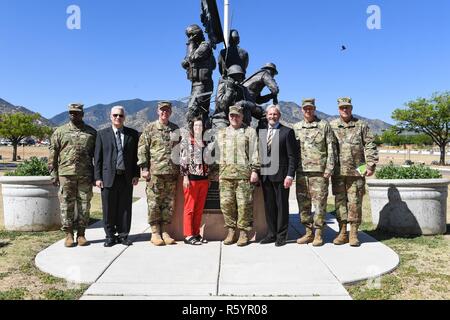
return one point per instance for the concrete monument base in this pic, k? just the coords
(213, 225)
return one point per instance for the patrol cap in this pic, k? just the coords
(345, 102)
(236, 110)
(310, 102)
(163, 104)
(270, 66)
(76, 107)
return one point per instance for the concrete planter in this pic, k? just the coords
(30, 204)
(410, 206)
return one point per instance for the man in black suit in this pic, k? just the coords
(279, 151)
(116, 172)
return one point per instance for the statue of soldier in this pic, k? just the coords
(317, 152)
(239, 168)
(233, 54)
(199, 64)
(261, 79)
(155, 150)
(231, 92)
(71, 166)
(356, 149)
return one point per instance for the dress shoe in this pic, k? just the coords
(267, 240)
(125, 242)
(109, 243)
(280, 243)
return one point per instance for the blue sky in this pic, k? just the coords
(133, 49)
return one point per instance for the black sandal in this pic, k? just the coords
(201, 239)
(192, 241)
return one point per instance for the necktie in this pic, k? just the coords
(120, 164)
(269, 140)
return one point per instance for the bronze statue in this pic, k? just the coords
(231, 92)
(199, 64)
(233, 54)
(263, 78)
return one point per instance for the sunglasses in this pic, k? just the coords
(118, 115)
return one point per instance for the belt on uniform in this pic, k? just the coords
(120, 172)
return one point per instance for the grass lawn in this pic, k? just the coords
(19, 277)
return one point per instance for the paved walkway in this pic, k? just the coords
(215, 271)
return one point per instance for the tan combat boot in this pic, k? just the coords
(230, 237)
(354, 242)
(166, 237)
(156, 236)
(81, 239)
(318, 240)
(69, 242)
(243, 238)
(342, 237)
(308, 237)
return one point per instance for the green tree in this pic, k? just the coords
(429, 116)
(16, 126)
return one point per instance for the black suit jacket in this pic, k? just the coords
(286, 147)
(105, 156)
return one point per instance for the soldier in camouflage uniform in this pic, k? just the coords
(358, 157)
(155, 151)
(317, 151)
(239, 166)
(71, 166)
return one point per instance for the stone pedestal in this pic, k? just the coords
(213, 225)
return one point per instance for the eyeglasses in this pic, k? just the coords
(118, 115)
(165, 110)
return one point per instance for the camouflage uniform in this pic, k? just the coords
(156, 146)
(70, 160)
(317, 151)
(355, 143)
(238, 158)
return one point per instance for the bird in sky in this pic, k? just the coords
(343, 48)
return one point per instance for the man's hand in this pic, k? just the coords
(254, 178)
(135, 181)
(288, 182)
(55, 181)
(327, 175)
(186, 182)
(99, 184)
(146, 175)
(369, 173)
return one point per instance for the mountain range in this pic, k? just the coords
(140, 112)
(6, 107)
